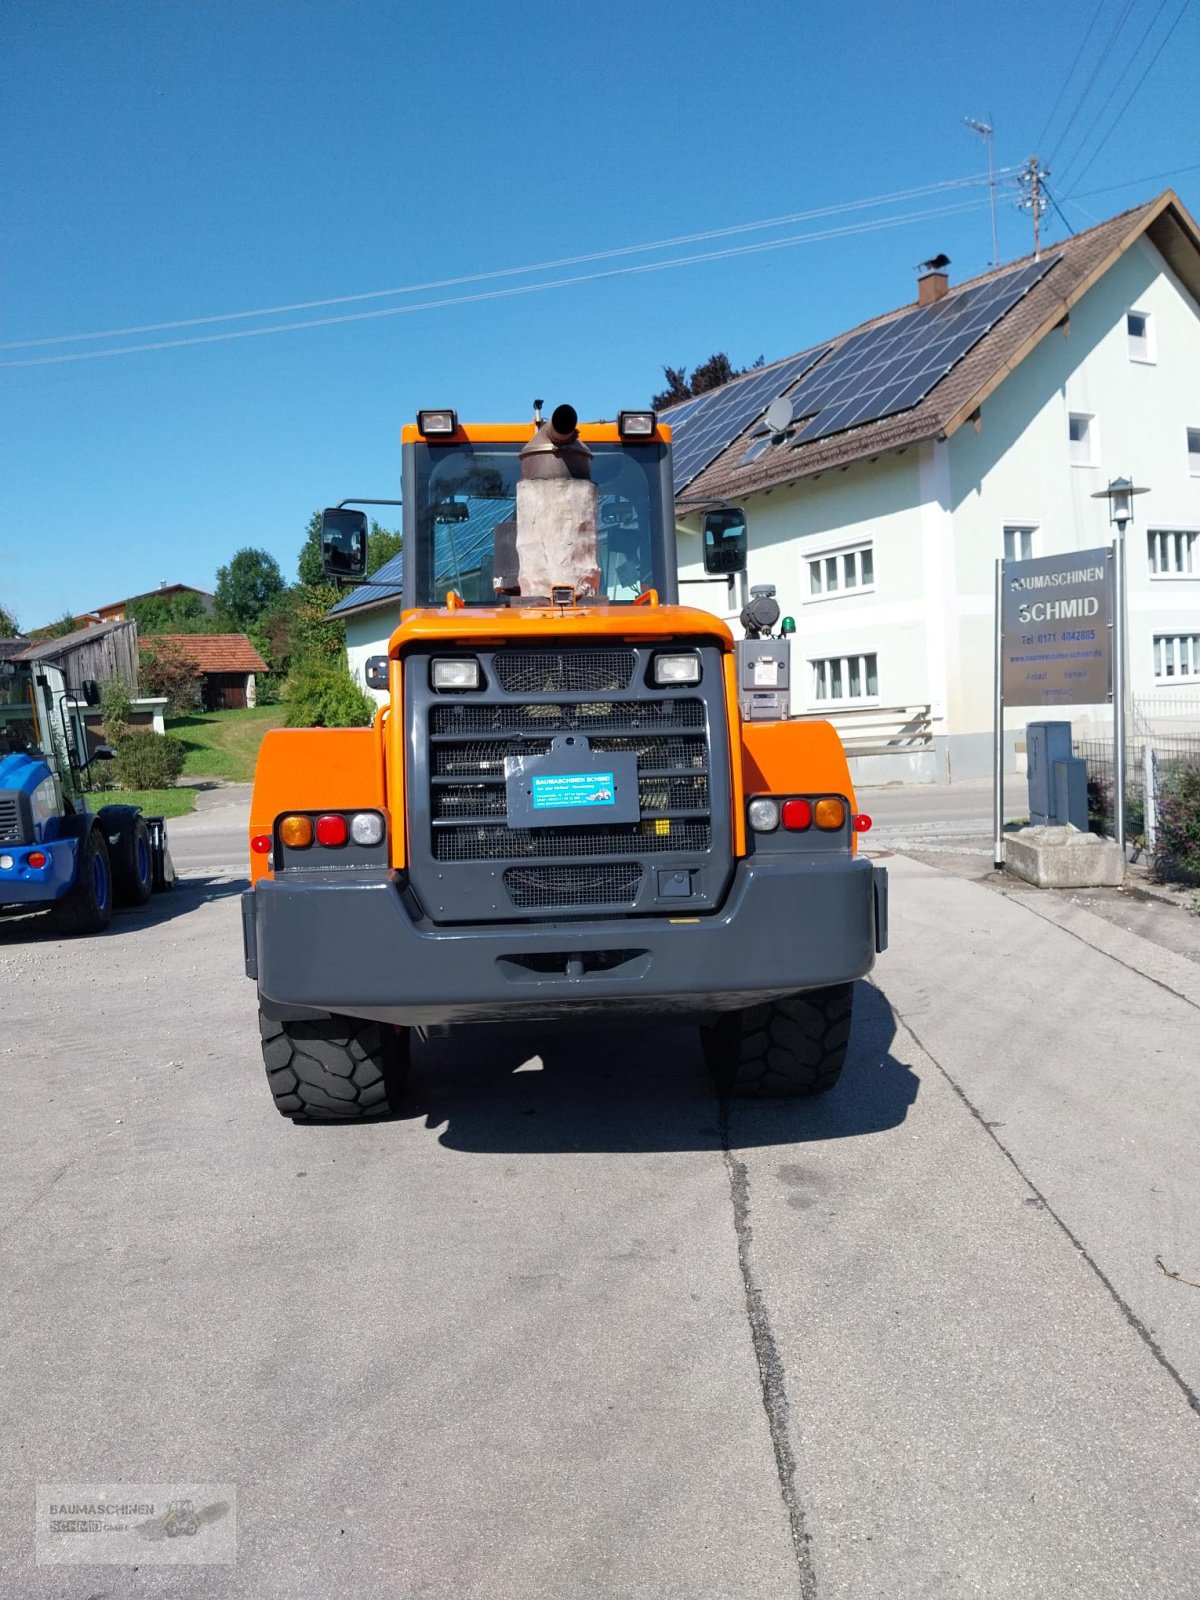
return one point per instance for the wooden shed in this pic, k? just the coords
(97, 654)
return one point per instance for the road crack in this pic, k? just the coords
(771, 1375)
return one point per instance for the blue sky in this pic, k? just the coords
(170, 161)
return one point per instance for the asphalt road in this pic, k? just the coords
(570, 1328)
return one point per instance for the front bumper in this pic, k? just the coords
(345, 942)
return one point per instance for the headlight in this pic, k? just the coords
(763, 815)
(677, 669)
(456, 674)
(367, 828)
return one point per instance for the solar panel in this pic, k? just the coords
(710, 422)
(890, 368)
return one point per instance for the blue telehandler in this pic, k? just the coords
(57, 853)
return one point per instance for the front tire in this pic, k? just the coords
(783, 1048)
(87, 905)
(334, 1069)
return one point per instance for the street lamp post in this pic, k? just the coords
(1119, 494)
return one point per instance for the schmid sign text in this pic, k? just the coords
(1055, 639)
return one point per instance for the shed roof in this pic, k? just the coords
(64, 643)
(1082, 260)
(213, 652)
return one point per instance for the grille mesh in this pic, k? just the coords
(563, 671)
(10, 820)
(616, 883)
(487, 843)
(603, 716)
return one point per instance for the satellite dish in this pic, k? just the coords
(780, 415)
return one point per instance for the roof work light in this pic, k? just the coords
(636, 424)
(437, 424)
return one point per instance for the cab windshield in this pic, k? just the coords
(464, 491)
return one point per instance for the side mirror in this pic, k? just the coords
(91, 692)
(725, 541)
(344, 543)
(376, 672)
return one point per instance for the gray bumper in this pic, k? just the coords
(347, 943)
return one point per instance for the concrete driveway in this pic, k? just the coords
(571, 1328)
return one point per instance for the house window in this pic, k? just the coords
(837, 574)
(1173, 552)
(845, 678)
(1176, 655)
(1138, 330)
(1018, 541)
(1080, 432)
(1193, 439)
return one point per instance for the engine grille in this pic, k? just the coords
(10, 820)
(468, 864)
(563, 671)
(617, 883)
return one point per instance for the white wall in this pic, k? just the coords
(1017, 467)
(367, 634)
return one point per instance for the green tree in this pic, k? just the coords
(167, 670)
(172, 613)
(322, 694)
(710, 374)
(247, 587)
(8, 625)
(309, 565)
(65, 624)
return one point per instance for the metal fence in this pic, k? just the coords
(1163, 739)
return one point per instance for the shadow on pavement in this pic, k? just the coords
(631, 1088)
(188, 893)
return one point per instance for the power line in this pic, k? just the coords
(1041, 138)
(1133, 183)
(509, 272)
(1087, 88)
(1125, 107)
(1107, 101)
(502, 294)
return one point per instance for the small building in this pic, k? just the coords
(88, 658)
(371, 612)
(227, 663)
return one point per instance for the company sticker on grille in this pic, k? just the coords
(561, 791)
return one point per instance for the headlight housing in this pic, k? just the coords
(676, 669)
(462, 673)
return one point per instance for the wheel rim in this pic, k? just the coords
(143, 860)
(100, 880)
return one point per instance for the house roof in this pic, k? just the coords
(384, 586)
(1082, 260)
(163, 589)
(64, 643)
(212, 652)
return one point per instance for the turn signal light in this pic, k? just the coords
(830, 814)
(797, 815)
(331, 829)
(36, 858)
(296, 832)
(862, 823)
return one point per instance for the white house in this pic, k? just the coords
(881, 539)
(881, 535)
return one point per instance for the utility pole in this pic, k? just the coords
(985, 130)
(1031, 178)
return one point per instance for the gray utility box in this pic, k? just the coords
(764, 674)
(1057, 779)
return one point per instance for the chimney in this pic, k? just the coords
(933, 282)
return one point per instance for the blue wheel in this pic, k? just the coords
(87, 905)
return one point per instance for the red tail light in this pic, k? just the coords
(331, 829)
(797, 815)
(862, 823)
(261, 844)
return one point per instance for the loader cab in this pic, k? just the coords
(461, 493)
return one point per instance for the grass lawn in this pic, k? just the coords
(154, 802)
(224, 744)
